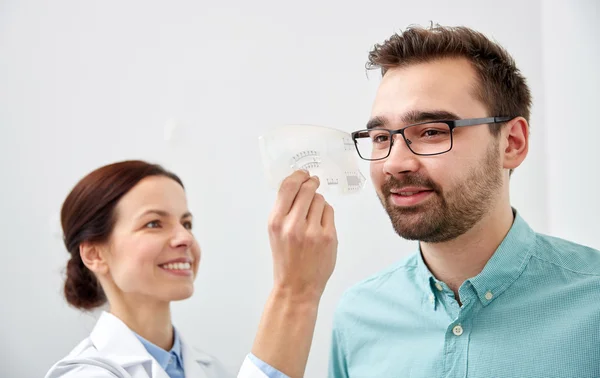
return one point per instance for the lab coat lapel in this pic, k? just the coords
(117, 342)
(194, 361)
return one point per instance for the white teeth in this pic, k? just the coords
(408, 193)
(177, 266)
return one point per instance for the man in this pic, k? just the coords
(484, 296)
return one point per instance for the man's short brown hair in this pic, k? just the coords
(502, 88)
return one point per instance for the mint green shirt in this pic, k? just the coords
(534, 311)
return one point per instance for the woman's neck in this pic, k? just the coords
(149, 319)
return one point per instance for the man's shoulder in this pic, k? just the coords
(389, 278)
(567, 254)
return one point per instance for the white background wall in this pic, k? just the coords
(86, 83)
(571, 57)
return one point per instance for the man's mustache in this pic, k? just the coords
(409, 180)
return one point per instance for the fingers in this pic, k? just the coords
(315, 212)
(303, 200)
(287, 193)
(327, 221)
(303, 238)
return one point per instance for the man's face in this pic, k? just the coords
(454, 190)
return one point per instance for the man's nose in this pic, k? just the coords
(401, 159)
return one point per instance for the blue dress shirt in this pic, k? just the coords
(533, 311)
(172, 361)
(270, 371)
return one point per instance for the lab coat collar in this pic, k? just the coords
(116, 341)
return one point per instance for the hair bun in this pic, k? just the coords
(82, 289)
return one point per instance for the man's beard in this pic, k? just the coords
(445, 216)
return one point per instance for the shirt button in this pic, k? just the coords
(438, 286)
(489, 295)
(432, 298)
(457, 330)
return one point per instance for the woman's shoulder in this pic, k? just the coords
(85, 361)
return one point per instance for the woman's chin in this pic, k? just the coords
(175, 292)
(182, 294)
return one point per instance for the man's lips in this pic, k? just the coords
(407, 190)
(409, 196)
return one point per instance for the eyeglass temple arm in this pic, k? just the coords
(479, 121)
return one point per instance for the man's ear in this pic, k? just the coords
(94, 257)
(516, 142)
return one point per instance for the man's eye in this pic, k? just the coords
(434, 132)
(381, 138)
(187, 225)
(378, 136)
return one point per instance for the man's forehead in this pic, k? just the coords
(457, 69)
(448, 85)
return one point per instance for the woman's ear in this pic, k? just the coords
(94, 257)
(516, 135)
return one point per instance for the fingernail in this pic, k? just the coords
(317, 177)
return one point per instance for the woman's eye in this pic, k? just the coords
(153, 224)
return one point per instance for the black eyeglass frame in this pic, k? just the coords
(452, 124)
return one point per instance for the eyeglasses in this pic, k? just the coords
(424, 138)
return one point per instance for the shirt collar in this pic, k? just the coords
(426, 281)
(162, 356)
(502, 269)
(507, 263)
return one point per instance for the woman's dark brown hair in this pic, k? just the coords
(88, 215)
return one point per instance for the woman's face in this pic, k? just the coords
(152, 252)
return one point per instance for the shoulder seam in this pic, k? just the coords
(564, 267)
(385, 274)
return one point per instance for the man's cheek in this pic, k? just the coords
(376, 175)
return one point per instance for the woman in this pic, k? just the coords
(127, 228)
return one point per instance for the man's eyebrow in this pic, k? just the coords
(413, 116)
(376, 122)
(416, 116)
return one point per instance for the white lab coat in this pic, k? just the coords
(113, 351)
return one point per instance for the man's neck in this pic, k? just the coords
(149, 319)
(455, 261)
